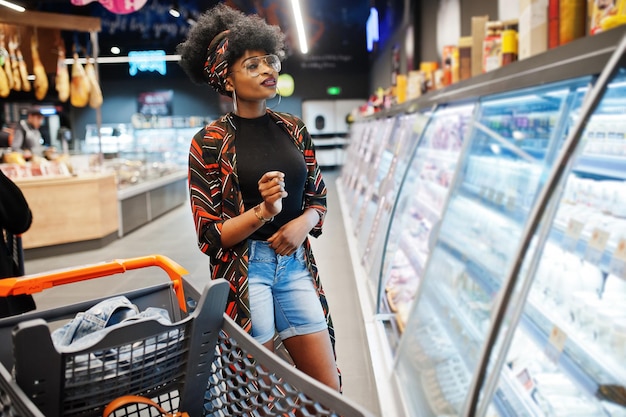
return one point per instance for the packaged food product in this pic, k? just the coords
(429, 68)
(533, 27)
(478, 35)
(572, 20)
(509, 41)
(465, 57)
(401, 88)
(415, 84)
(449, 61)
(492, 46)
(553, 24)
(600, 10)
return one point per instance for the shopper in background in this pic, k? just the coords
(6, 137)
(27, 137)
(257, 191)
(15, 219)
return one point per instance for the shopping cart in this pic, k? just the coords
(202, 363)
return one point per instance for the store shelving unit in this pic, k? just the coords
(500, 274)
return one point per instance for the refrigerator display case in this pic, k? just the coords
(419, 205)
(375, 220)
(519, 308)
(511, 147)
(371, 158)
(564, 352)
(373, 192)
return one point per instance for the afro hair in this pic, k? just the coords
(247, 32)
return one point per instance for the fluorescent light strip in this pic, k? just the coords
(297, 14)
(12, 6)
(124, 59)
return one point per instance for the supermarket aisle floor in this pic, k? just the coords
(172, 235)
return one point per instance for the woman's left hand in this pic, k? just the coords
(289, 237)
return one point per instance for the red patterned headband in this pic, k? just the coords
(215, 65)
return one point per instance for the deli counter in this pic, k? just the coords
(86, 200)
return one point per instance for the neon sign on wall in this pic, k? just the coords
(146, 61)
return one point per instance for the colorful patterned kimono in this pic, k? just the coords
(216, 197)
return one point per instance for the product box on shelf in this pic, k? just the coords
(450, 64)
(572, 20)
(479, 24)
(415, 84)
(465, 57)
(533, 27)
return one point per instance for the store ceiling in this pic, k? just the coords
(330, 23)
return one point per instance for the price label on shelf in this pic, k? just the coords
(598, 240)
(574, 229)
(510, 203)
(572, 234)
(556, 343)
(596, 245)
(618, 260)
(558, 338)
(498, 199)
(620, 251)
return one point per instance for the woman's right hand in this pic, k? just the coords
(272, 189)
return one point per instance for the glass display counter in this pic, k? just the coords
(149, 157)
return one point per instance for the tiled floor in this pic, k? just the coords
(172, 235)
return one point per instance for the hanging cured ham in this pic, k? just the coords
(23, 70)
(17, 80)
(95, 93)
(41, 78)
(7, 68)
(5, 89)
(62, 78)
(79, 86)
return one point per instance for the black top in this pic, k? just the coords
(263, 146)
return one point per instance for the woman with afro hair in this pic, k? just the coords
(257, 192)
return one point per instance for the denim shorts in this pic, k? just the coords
(282, 294)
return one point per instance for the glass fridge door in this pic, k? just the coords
(367, 171)
(418, 208)
(513, 141)
(360, 134)
(567, 356)
(372, 224)
(392, 150)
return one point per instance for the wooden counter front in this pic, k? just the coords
(70, 210)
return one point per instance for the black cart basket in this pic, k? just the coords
(200, 362)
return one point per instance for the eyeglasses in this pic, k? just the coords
(252, 64)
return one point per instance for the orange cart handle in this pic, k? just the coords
(30, 284)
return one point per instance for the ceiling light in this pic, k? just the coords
(13, 6)
(297, 14)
